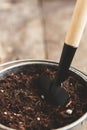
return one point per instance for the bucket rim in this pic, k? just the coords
(18, 63)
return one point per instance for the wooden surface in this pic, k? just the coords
(36, 29)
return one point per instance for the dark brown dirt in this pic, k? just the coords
(22, 106)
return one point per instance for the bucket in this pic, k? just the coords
(23, 65)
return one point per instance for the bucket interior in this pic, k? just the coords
(38, 67)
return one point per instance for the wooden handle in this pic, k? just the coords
(78, 23)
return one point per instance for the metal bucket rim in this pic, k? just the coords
(49, 62)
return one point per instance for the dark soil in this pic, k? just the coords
(22, 106)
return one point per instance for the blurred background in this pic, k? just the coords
(36, 29)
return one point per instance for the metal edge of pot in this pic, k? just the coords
(47, 62)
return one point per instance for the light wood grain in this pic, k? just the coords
(21, 30)
(78, 23)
